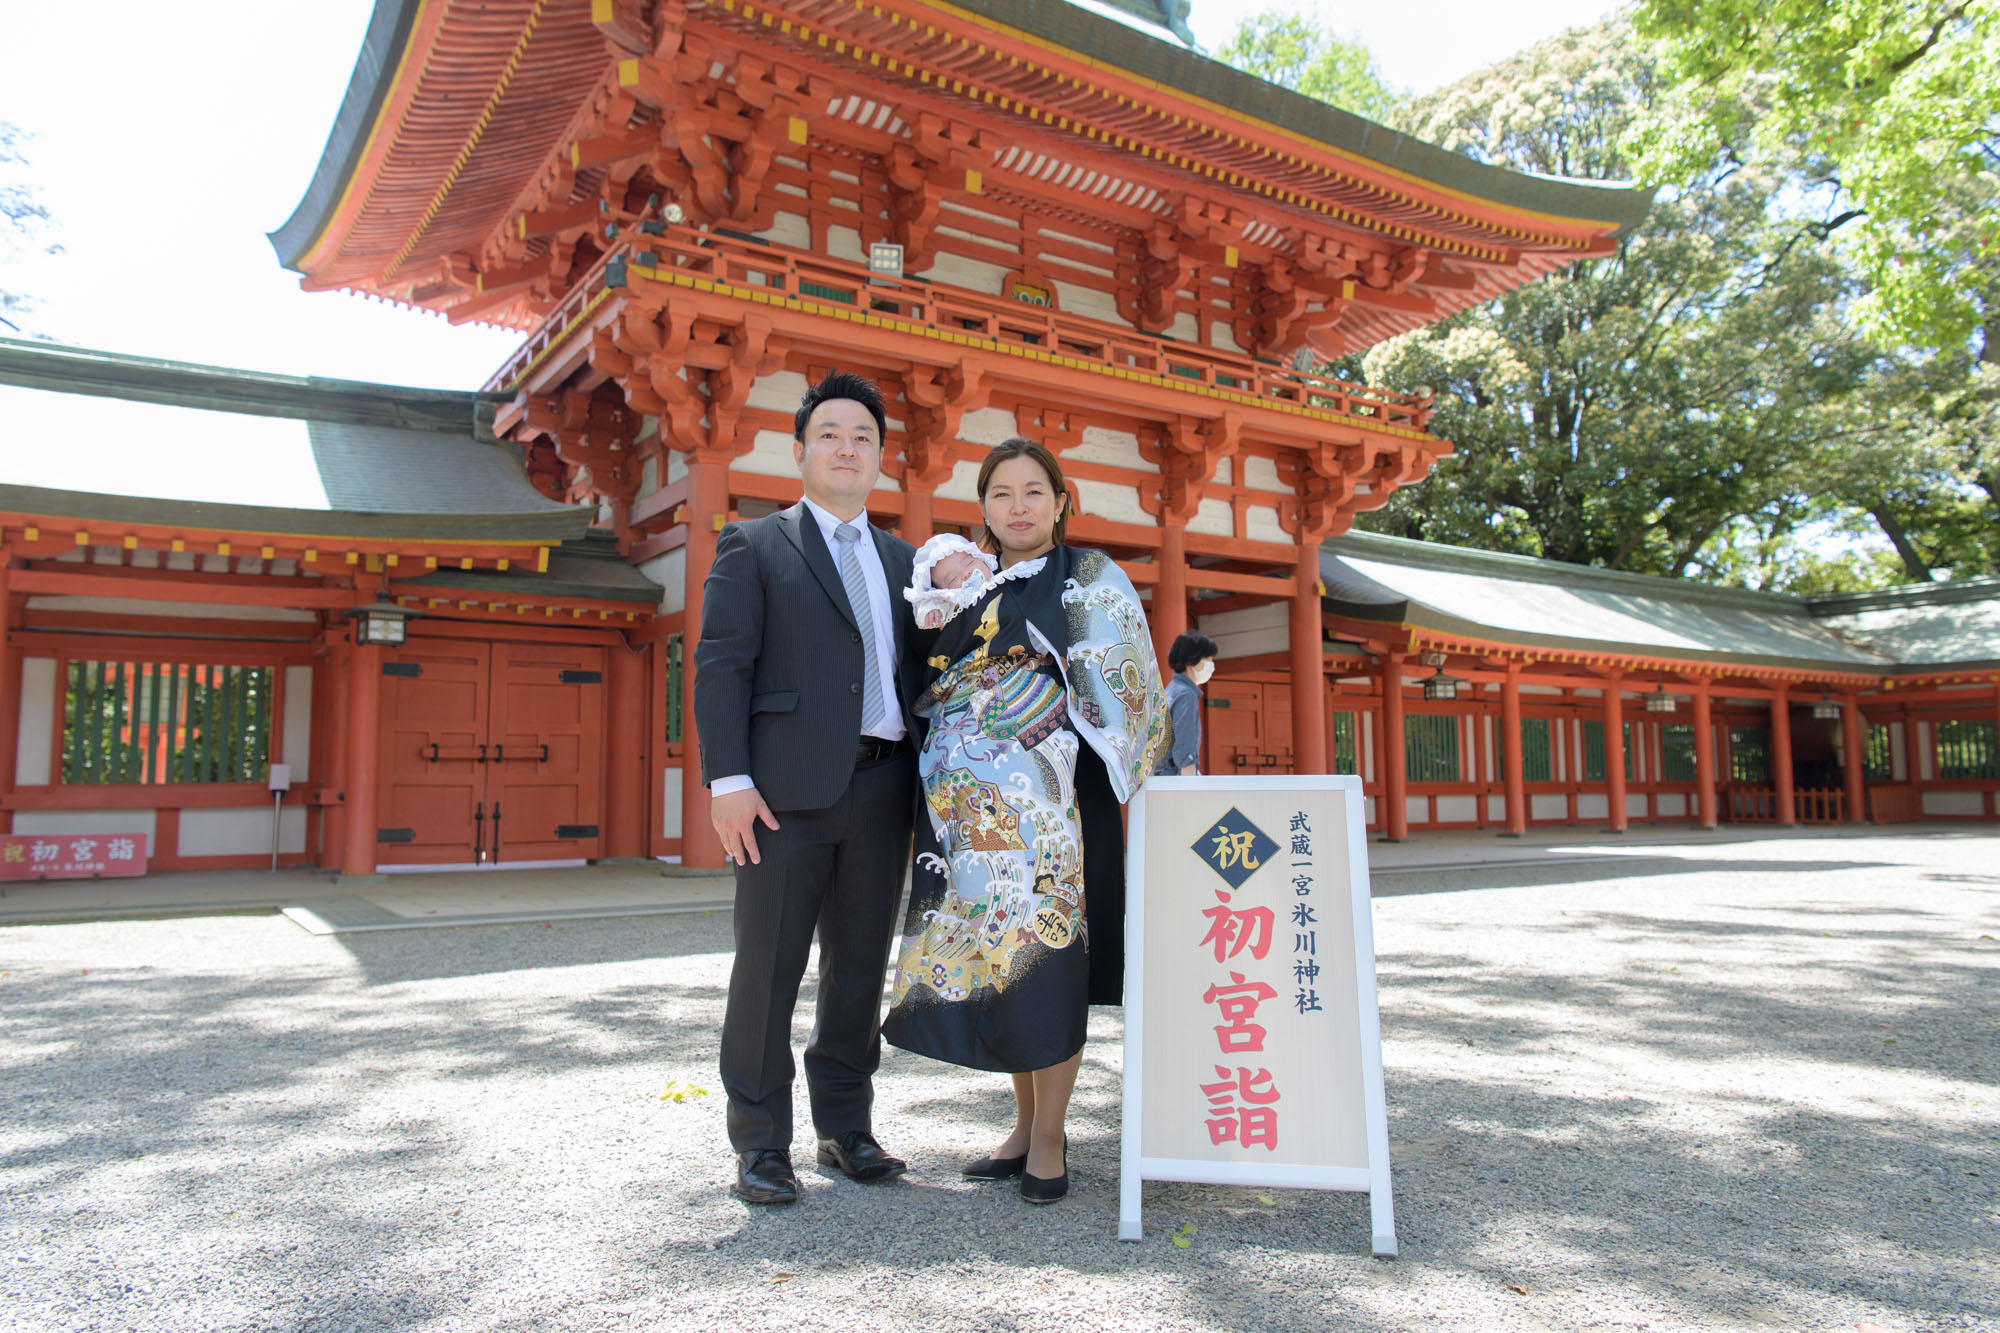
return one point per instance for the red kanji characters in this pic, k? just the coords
(1231, 932)
(1238, 1003)
(1254, 1124)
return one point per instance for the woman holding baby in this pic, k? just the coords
(1046, 712)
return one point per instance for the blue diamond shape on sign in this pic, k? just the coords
(1234, 848)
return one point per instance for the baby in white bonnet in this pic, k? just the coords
(949, 575)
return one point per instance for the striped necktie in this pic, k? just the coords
(857, 598)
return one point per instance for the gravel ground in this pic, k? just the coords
(1745, 1086)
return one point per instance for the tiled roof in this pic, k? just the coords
(1544, 603)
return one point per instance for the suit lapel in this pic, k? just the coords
(896, 567)
(800, 528)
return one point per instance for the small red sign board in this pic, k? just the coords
(71, 855)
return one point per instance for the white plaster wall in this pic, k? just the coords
(1089, 302)
(670, 796)
(770, 456)
(1112, 448)
(677, 466)
(1635, 804)
(1898, 768)
(1185, 328)
(1367, 745)
(1673, 803)
(91, 821)
(1593, 805)
(240, 830)
(1456, 809)
(1250, 630)
(1103, 499)
(670, 572)
(1260, 524)
(964, 483)
(1416, 809)
(1926, 751)
(779, 392)
(845, 243)
(793, 229)
(1224, 470)
(971, 274)
(991, 425)
(1548, 805)
(1541, 689)
(1368, 811)
(1953, 803)
(1220, 336)
(1214, 518)
(297, 735)
(32, 758)
(1261, 474)
(1496, 808)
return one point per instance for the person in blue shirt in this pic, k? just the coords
(1192, 660)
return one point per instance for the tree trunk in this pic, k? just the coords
(1919, 570)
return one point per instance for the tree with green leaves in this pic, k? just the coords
(1295, 52)
(1891, 107)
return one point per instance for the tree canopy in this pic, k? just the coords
(1704, 402)
(1295, 52)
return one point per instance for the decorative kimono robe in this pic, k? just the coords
(1046, 712)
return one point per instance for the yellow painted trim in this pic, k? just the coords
(312, 254)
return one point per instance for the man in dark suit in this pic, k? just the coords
(800, 705)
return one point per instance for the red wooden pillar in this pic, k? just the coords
(626, 750)
(1614, 748)
(1510, 751)
(1308, 667)
(1170, 608)
(1395, 819)
(915, 526)
(333, 824)
(10, 689)
(1781, 754)
(1850, 741)
(708, 505)
(364, 744)
(1704, 756)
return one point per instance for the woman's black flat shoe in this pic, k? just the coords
(995, 1168)
(1037, 1190)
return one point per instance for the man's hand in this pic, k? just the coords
(735, 818)
(1190, 771)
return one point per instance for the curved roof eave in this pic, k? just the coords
(367, 88)
(567, 523)
(1617, 206)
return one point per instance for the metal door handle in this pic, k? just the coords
(479, 833)
(500, 754)
(496, 833)
(434, 752)
(482, 752)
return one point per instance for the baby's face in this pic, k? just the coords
(956, 571)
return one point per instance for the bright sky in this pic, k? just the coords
(170, 138)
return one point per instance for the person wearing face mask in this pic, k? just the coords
(1192, 660)
(1045, 711)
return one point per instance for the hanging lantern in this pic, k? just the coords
(1439, 686)
(381, 621)
(1659, 701)
(1828, 708)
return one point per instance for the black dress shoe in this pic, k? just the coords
(859, 1157)
(765, 1176)
(1039, 1189)
(995, 1168)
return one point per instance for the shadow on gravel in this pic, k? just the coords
(1460, 879)
(392, 956)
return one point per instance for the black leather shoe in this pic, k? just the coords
(859, 1157)
(765, 1176)
(995, 1168)
(1038, 1189)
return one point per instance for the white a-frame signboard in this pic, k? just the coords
(1253, 1047)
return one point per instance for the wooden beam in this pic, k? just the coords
(174, 589)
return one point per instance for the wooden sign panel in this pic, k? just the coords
(1253, 1049)
(71, 855)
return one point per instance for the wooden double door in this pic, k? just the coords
(1246, 728)
(491, 753)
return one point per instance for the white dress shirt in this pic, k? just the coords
(891, 726)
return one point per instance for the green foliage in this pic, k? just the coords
(24, 221)
(1295, 52)
(1889, 103)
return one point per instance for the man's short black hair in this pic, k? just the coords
(841, 384)
(1190, 648)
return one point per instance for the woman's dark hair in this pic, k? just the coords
(1189, 649)
(1018, 447)
(841, 384)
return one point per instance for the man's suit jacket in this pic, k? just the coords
(779, 670)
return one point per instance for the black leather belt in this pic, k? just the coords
(873, 749)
